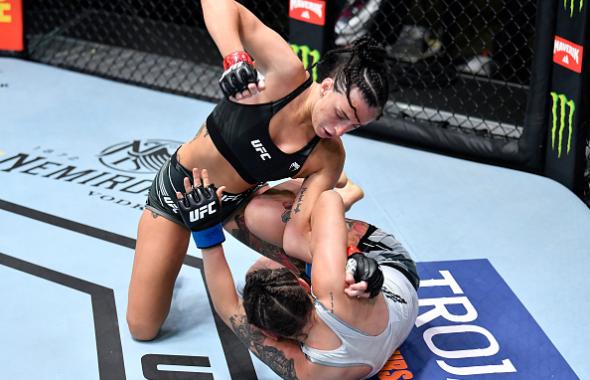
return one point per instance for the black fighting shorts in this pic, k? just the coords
(387, 250)
(169, 180)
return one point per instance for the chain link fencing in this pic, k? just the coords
(157, 44)
(464, 65)
(461, 67)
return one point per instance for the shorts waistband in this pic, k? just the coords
(174, 162)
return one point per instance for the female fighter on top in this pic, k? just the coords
(291, 129)
(318, 333)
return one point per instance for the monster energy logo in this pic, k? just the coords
(572, 5)
(305, 53)
(565, 107)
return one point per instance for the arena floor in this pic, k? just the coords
(503, 254)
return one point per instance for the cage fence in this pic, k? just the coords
(460, 66)
(158, 44)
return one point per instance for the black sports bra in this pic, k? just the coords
(241, 134)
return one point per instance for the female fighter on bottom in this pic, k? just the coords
(312, 334)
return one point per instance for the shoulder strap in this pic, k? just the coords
(306, 150)
(277, 105)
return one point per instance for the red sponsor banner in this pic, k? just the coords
(310, 11)
(568, 54)
(11, 25)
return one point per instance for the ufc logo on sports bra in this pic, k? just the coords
(202, 211)
(260, 149)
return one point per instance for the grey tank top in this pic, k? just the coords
(358, 348)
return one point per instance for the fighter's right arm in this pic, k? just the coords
(222, 19)
(235, 28)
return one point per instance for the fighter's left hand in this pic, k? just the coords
(355, 289)
(200, 209)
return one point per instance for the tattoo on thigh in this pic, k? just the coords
(154, 215)
(243, 234)
(254, 340)
(286, 216)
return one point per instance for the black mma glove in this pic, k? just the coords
(239, 73)
(200, 210)
(364, 268)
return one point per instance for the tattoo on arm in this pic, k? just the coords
(332, 302)
(264, 248)
(202, 129)
(198, 133)
(254, 340)
(300, 200)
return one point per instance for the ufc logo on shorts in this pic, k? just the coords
(170, 203)
(230, 198)
(260, 149)
(202, 211)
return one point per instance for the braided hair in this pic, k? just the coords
(364, 64)
(274, 301)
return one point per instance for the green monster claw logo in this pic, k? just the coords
(309, 57)
(563, 106)
(572, 4)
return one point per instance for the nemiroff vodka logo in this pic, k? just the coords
(568, 54)
(138, 156)
(310, 11)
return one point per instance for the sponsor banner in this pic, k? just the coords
(119, 174)
(138, 156)
(11, 25)
(565, 160)
(568, 54)
(309, 11)
(472, 326)
(573, 7)
(563, 110)
(309, 57)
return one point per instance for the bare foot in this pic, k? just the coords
(350, 193)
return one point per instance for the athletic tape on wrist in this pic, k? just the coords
(235, 57)
(351, 266)
(209, 237)
(351, 249)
